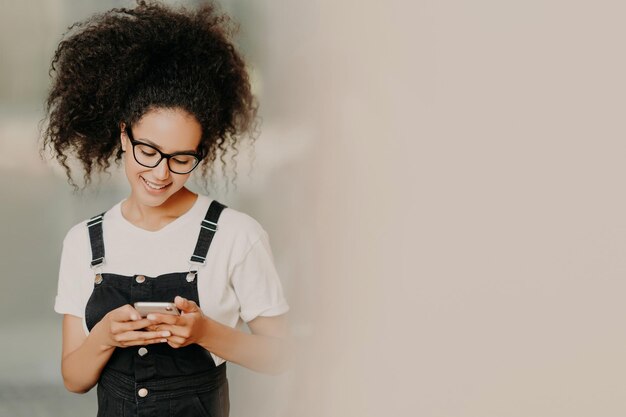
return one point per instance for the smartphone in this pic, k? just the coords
(146, 307)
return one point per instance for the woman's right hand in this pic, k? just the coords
(84, 356)
(123, 326)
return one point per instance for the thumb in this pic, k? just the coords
(185, 305)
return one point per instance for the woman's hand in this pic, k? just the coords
(123, 326)
(185, 329)
(268, 349)
(84, 356)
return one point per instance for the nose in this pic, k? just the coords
(161, 171)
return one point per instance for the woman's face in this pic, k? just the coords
(170, 131)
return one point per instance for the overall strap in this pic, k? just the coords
(95, 238)
(208, 227)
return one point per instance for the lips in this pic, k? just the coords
(154, 186)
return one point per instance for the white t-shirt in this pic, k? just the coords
(238, 280)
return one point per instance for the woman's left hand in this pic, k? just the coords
(186, 328)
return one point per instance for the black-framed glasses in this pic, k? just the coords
(149, 156)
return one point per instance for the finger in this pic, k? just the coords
(126, 326)
(125, 313)
(162, 318)
(155, 327)
(185, 305)
(176, 341)
(133, 335)
(137, 338)
(180, 331)
(143, 342)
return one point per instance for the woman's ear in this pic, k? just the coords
(122, 134)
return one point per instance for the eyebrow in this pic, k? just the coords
(149, 142)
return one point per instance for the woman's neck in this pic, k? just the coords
(154, 218)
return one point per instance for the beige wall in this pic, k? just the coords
(470, 209)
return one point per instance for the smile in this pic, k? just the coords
(153, 185)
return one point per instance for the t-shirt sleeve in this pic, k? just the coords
(256, 283)
(71, 270)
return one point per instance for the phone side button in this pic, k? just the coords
(142, 351)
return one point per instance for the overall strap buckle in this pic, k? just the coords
(208, 228)
(94, 226)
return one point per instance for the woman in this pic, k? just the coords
(164, 91)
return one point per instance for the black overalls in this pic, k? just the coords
(156, 380)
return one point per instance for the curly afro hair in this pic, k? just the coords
(118, 65)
